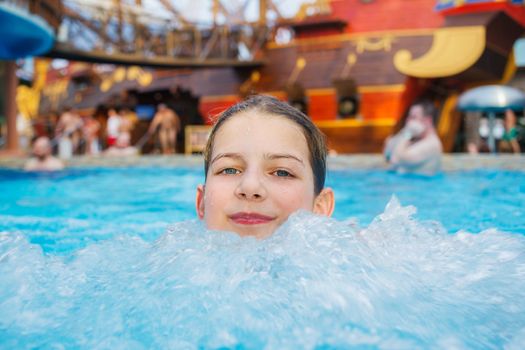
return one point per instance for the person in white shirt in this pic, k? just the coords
(113, 127)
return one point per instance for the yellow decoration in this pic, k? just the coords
(351, 59)
(384, 43)
(510, 69)
(106, 84)
(247, 87)
(453, 51)
(300, 63)
(318, 7)
(120, 74)
(256, 76)
(28, 98)
(41, 66)
(447, 124)
(56, 91)
(134, 72)
(145, 78)
(445, 119)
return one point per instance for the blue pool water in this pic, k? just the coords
(114, 258)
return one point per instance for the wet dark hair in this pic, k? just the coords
(429, 109)
(272, 106)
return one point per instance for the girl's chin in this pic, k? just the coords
(257, 232)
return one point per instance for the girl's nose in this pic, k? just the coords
(251, 186)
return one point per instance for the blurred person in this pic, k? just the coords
(509, 139)
(51, 122)
(497, 129)
(68, 133)
(91, 131)
(25, 131)
(472, 136)
(122, 146)
(42, 159)
(40, 126)
(167, 124)
(101, 116)
(417, 147)
(129, 120)
(113, 126)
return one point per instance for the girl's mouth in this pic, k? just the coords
(243, 218)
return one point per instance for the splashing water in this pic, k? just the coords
(316, 283)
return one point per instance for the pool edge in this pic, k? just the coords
(451, 162)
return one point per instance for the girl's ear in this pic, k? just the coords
(199, 201)
(324, 203)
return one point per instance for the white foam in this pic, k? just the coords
(397, 283)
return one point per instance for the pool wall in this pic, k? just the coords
(450, 162)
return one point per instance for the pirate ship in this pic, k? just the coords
(354, 66)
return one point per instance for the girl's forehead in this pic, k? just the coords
(261, 130)
(260, 122)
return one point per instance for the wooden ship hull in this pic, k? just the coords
(377, 56)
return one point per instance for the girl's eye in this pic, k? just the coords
(229, 171)
(282, 173)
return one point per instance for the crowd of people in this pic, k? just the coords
(105, 132)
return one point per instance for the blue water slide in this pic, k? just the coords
(23, 34)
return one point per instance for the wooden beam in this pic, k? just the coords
(117, 5)
(99, 31)
(64, 51)
(11, 82)
(176, 13)
(263, 6)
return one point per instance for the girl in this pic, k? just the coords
(263, 161)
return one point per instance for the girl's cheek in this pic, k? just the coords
(217, 189)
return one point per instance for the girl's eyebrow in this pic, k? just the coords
(226, 155)
(273, 156)
(270, 156)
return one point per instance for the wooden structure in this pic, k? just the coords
(196, 137)
(394, 53)
(131, 34)
(345, 136)
(356, 136)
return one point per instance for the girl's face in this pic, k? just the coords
(259, 174)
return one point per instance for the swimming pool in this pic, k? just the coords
(86, 262)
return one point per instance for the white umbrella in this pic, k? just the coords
(491, 99)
